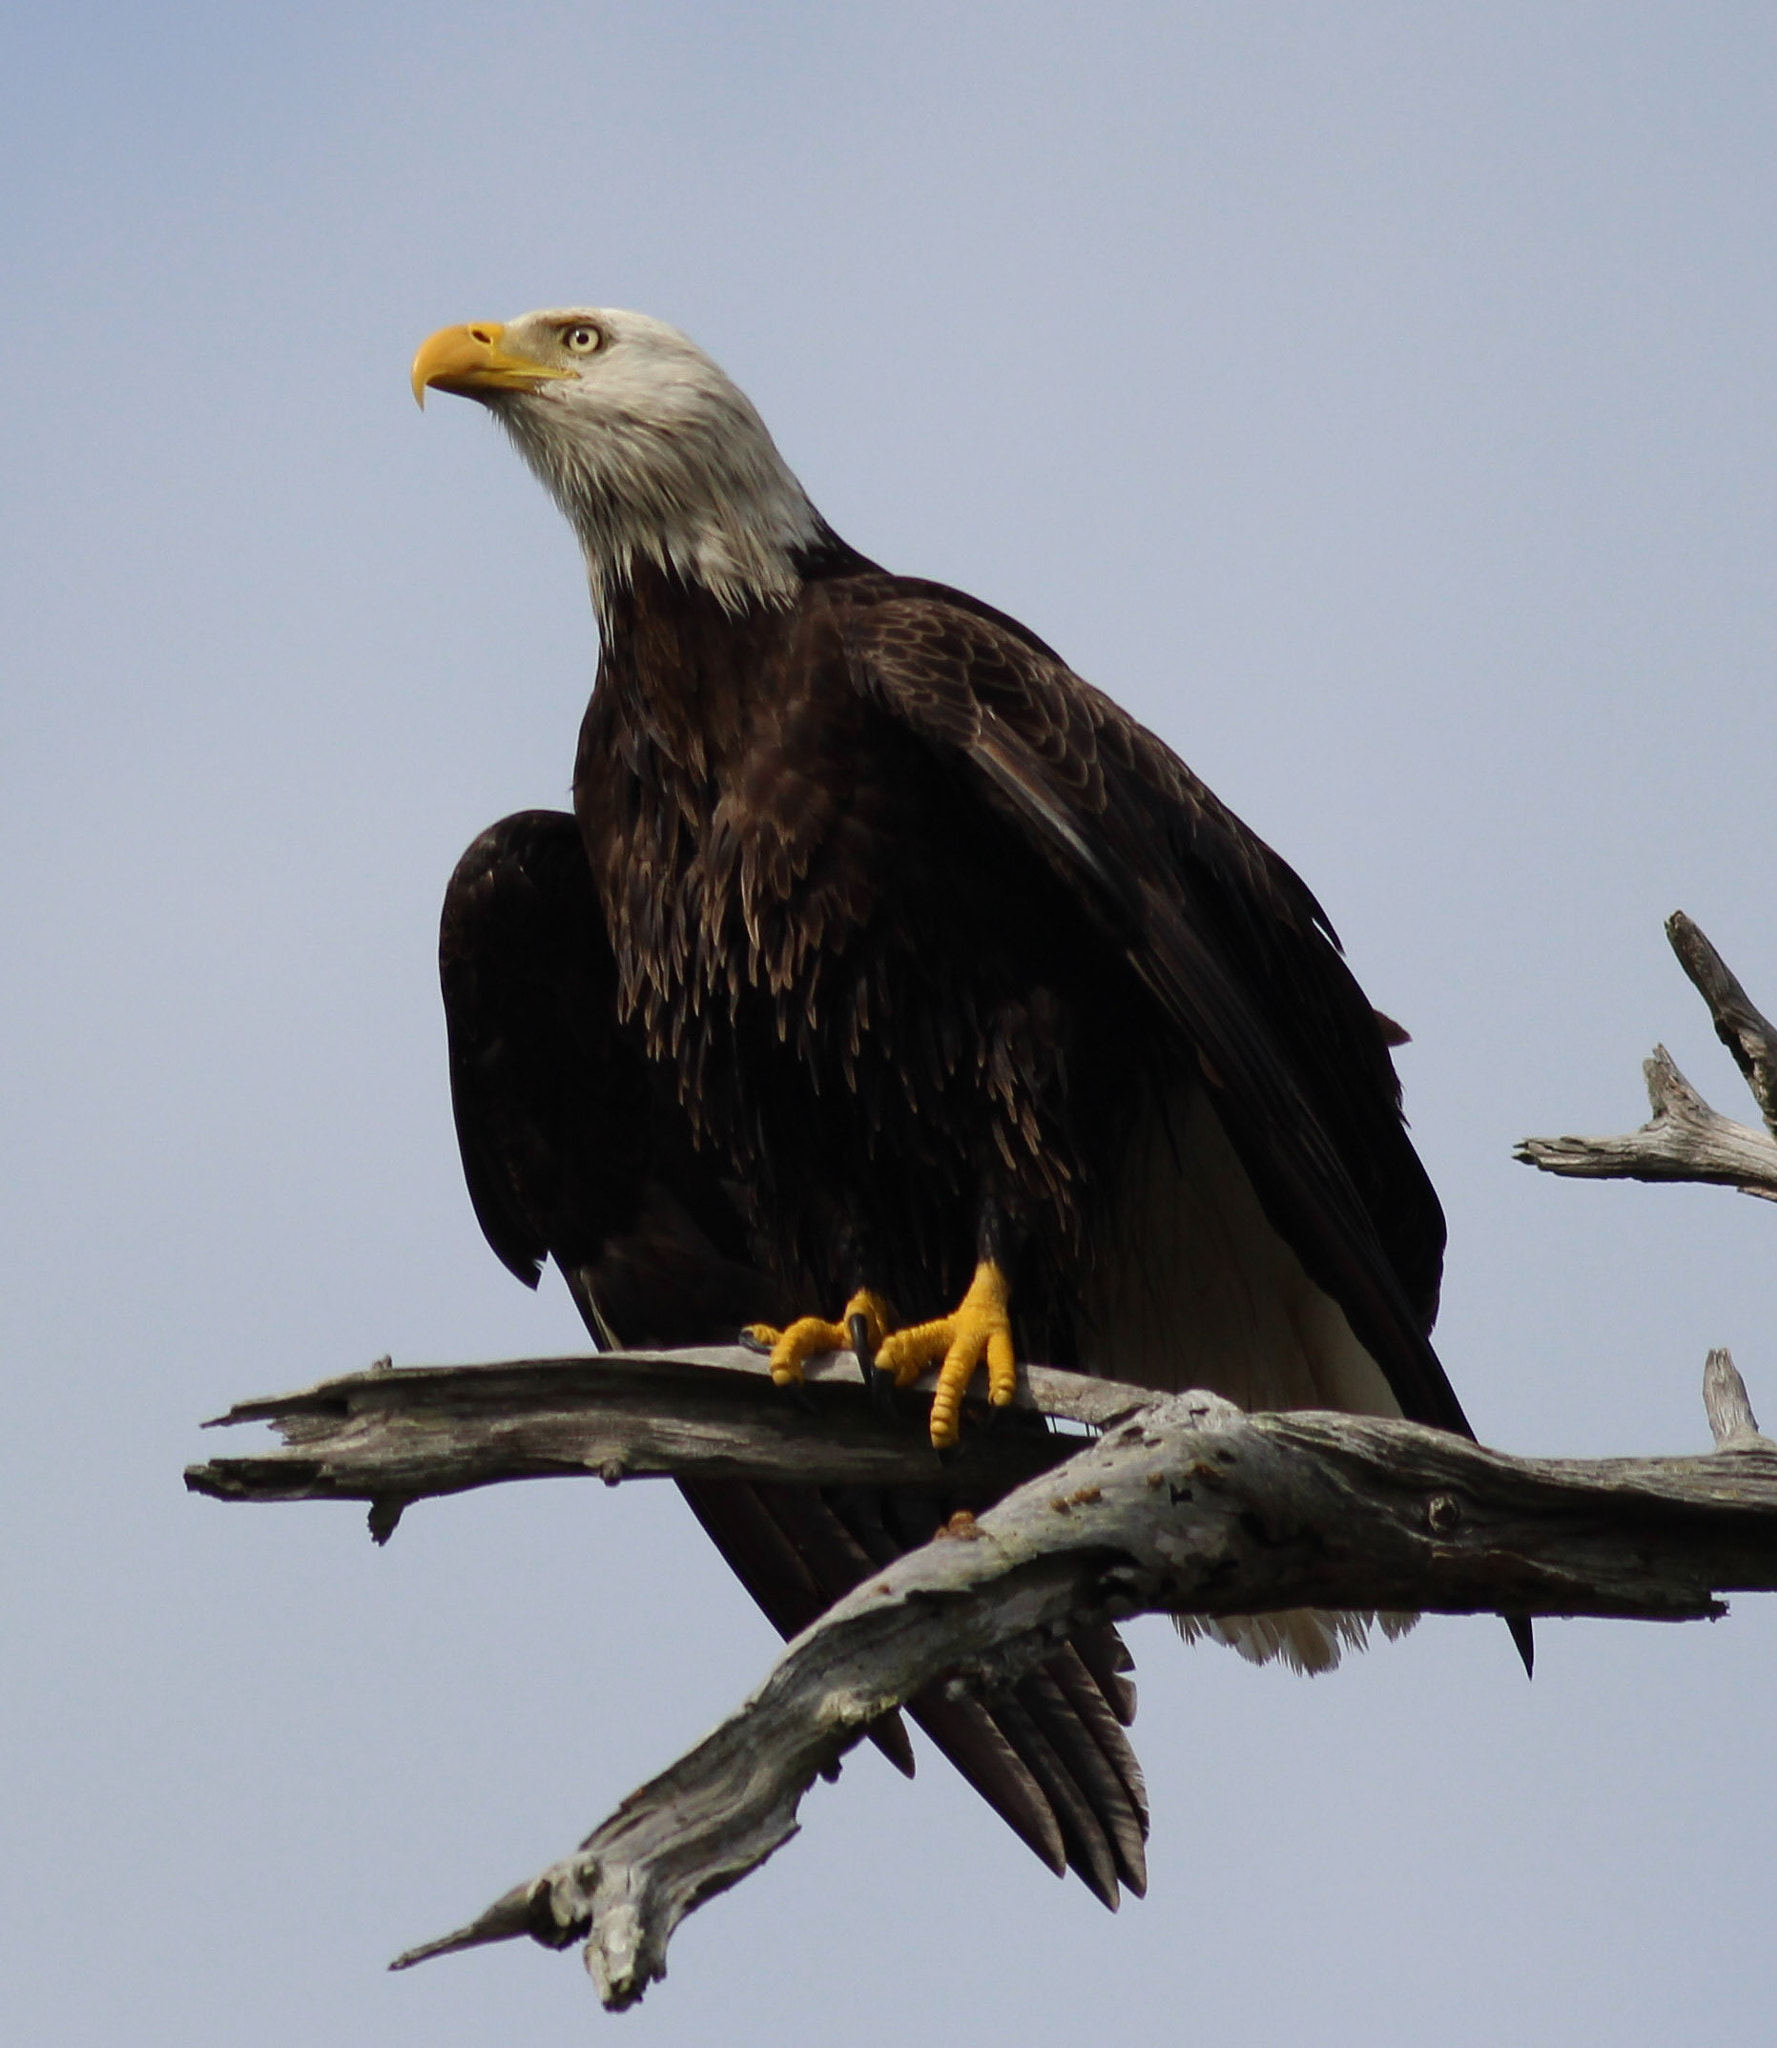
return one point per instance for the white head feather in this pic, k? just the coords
(655, 455)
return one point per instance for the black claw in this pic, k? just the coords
(882, 1390)
(748, 1342)
(860, 1344)
(799, 1397)
(947, 1454)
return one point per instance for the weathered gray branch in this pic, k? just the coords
(1731, 1420)
(1685, 1139)
(391, 1436)
(1740, 1025)
(1188, 1507)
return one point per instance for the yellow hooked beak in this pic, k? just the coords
(474, 360)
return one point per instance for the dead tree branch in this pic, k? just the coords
(1184, 1506)
(1187, 1507)
(1685, 1139)
(390, 1436)
(1743, 1028)
(1731, 1420)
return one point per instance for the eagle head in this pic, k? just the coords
(650, 450)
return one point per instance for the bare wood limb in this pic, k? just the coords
(393, 1436)
(1188, 1507)
(1685, 1139)
(1740, 1025)
(1726, 1403)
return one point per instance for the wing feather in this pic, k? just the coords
(1239, 957)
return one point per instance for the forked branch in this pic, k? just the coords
(1188, 1507)
(1685, 1139)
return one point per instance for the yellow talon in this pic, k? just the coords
(981, 1328)
(812, 1337)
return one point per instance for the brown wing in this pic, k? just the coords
(569, 1144)
(1235, 952)
(574, 1150)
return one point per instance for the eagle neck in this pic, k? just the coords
(671, 654)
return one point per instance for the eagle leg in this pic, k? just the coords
(980, 1328)
(812, 1337)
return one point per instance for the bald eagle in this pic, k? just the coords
(891, 988)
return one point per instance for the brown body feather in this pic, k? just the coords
(925, 928)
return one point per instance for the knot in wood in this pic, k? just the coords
(961, 1527)
(1442, 1513)
(613, 1471)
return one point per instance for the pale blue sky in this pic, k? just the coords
(1377, 399)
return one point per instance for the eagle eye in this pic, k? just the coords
(580, 339)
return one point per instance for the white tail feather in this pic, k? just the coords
(1308, 1639)
(1196, 1289)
